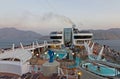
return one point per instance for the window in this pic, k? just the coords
(56, 37)
(82, 37)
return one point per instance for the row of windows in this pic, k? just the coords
(56, 33)
(75, 37)
(82, 37)
(56, 37)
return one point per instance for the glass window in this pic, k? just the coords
(67, 36)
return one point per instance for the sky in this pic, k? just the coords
(44, 16)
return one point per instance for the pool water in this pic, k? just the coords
(60, 55)
(104, 70)
(91, 57)
(77, 62)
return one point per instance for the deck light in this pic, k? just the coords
(32, 52)
(57, 55)
(73, 53)
(79, 74)
(37, 54)
(45, 52)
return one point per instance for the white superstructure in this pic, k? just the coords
(79, 37)
(71, 36)
(57, 37)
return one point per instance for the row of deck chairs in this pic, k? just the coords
(55, 76)
(30, 76)
(8, 77)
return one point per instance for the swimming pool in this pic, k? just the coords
(57, 55)
(60, 54)
(91, 57)
(103, 70)
(77, 62)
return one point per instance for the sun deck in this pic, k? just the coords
(38, 59)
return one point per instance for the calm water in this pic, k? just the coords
(115, 44)
(8, 43)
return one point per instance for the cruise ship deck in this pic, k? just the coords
(71, 55)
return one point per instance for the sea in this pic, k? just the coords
(113, 44)
(9, 43)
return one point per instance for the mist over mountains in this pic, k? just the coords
(15, 34)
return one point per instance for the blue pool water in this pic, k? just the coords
(77, 62)
(60, 55)
(57, 55)
(104, 70)
(91, 57)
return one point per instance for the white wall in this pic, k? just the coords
(10, 68)
(14, 67)
(25, 68)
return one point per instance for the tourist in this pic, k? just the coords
(98, 68)
(86, 67)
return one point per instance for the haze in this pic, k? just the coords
(44, 16)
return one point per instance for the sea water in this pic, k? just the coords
(8, 43)
(113, 44)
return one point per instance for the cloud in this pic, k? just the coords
(47, 22)
(38, 23)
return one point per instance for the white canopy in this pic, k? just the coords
(21, 54)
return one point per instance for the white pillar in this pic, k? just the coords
(21, 45)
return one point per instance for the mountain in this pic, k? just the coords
(15, 34)
(110, 34)
(113, 33)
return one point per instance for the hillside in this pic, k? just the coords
(109, 34)
(15, 34)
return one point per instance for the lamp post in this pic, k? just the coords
(79, 74)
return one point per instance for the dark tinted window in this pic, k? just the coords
(56, 37)
(82, 37)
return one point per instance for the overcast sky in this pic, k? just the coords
(44, 16)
